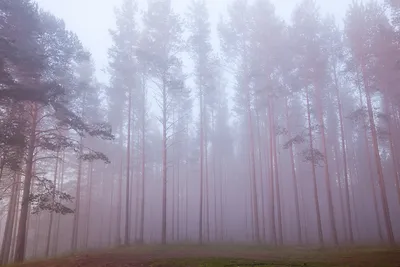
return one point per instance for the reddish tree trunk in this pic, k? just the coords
(314, 176)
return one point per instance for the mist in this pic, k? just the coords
(272, 123)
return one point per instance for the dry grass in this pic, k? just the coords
(227, 255)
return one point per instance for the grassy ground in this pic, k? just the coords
(227, 255)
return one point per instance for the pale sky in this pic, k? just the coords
(91, 19)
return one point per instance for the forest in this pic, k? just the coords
(286, 134)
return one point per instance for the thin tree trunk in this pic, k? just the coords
(119, 203)
(55, 242)
(201, 168)
(344, 153)
(164, 164)
(253, 172)
(207, 188)
(89, 208)
(221, 194)
(52, 212)
(260, 160)
(371, 177)
(187, 201)
(141, 237)
(277, 183)
(215, 198)
(111, 219)
(294, 179)
(138, 191)
(343, 217)
(103, 193)
(314, 176)
(14, 235)
(272, 184)
(173, 198)
(178, 203)
(331, 211)
(75, 230)
(36, 237)
(128, 172)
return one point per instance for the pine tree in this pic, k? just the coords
(163, 32)
(123, 71)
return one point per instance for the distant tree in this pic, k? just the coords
(163, 31)
(362, 29)
(123, 89)
(201, 52)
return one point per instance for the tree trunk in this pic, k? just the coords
(346, 176)
(14, 235)
(215, 198)
(75, 230)
(271, 174)
(52, 212)
(57, 230)
(315, 188)
(22, 229)
(392, 149)
(384, 200)
(36, 237)
(294, 178)
(222, 197)
(253, 181)
(164, 164)
(178, 202)
(90, 176)
(207, 188)
(201, 168)
(128, 172)
(260, 162)
(119, 204)
(103, 193)
(331, 211)
(173, 198)
(187, 200)
(141, 237)
(277, 182)
(12, 207)
(371, 177)
(338, 177)
(110, 241)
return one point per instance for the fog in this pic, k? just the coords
(138, 122)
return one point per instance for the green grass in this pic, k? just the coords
(189, 255)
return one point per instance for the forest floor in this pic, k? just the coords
(226, 255)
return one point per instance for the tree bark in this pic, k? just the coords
(75, 230)
(22, 229)
(294, 179)
(89, 207)
(52, 212)
(384, 200)
(164, 164)
(314, 176)
(344, 153)
(271, 174)
(201, 168)
(331, 211)
(128, 172)
(57, 230)
(8, 230)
